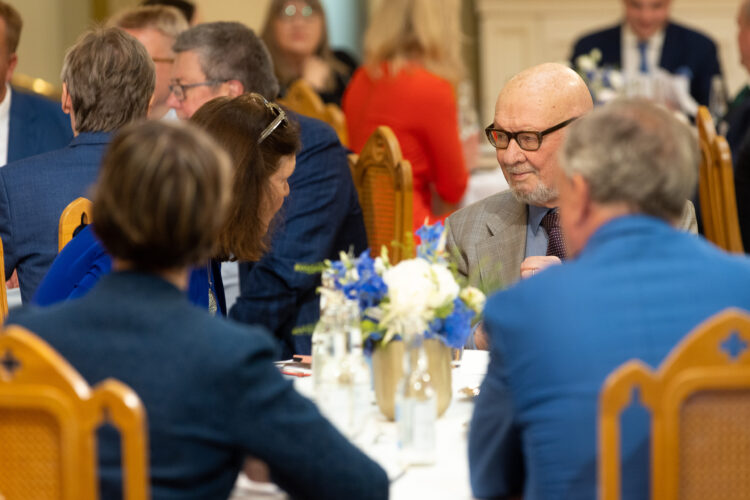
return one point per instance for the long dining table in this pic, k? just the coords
(446, 478)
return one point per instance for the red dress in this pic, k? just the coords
(421, 109)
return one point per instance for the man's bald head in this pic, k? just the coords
(535, 100)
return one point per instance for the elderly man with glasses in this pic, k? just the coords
(515, 234)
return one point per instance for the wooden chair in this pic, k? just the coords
(48, 419)
(76, 214)
(302, 99)
(716, 186)
(699, 400)
(384, 183)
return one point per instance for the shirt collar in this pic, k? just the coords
(631, 40)
(536, 214)
(5, 105)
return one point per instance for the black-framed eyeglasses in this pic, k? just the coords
(280, 117)
(178, 89)
(526, 139)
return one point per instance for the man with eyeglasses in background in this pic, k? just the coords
(156, 27)
(320, 217)
(515, 233)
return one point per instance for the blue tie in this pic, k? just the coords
(642, 48)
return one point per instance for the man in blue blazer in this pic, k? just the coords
(646, 39)
(320, 217)
(635, 287)
(29, 124)
(34, 191)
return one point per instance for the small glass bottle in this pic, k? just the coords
(359, 372)
(416, 404)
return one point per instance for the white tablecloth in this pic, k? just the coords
(447, 478)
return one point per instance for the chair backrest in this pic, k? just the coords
(48, 419)
(384, 183)
(699, 400)
(302, 98)
(716, 186)
(75, 215)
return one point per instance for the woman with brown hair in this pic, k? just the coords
(295, 34)
(262, 144)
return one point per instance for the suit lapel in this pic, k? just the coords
(501, 254)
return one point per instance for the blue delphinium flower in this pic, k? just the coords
(370, 287)
(430, 239)
(457, 325)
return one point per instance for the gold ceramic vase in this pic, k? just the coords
(388, 368)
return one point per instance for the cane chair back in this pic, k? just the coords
(75, 215)
(699, 400)
(48, 419)
(302, 98)
(384, 184)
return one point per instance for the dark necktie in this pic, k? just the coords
(642, 48)
(555, 243)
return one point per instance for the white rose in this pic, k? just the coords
(585, 63)
(616, 80)
(445, 289)
(474, 298)
(409, 285)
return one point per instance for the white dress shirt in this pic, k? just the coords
(631, 55)
(4, 125)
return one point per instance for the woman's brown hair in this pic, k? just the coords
(162, 196)
(237, 124)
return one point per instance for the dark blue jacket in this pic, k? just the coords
(211, 391)
(685, 51)
(33, 193)
(320, 217)
(37, 125)
(635, 291)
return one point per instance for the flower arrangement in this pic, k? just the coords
(604, 83)
(420, 293)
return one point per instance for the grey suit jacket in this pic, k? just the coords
(487, 240)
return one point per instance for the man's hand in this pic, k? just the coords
(532, 265)
(13, 281)
(481, 340)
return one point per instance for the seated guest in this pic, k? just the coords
(647, 39)
(634, 288)
(211, 391)
(156, 27)
(321, 215)
(29, 124)
(108, 79)
(738, 116)
(296, 36)
(261, 170)
(516, 233)
(412, 68)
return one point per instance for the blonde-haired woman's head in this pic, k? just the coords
(162, 196)
(426, 32)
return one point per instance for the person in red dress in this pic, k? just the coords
(408, 82)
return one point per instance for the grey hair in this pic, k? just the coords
(231, 51)
(634, 152)
(110, 79)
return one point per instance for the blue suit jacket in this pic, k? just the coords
(320, 217)
(684, 51)
(638, 287)
(211, 391)
(33, 193)
(37, 125)
(83, 262)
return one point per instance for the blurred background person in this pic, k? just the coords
(156, 27)
(737, 120)
(261, 169)
(296, 35)
(210, 389)
(187, 9)
(408, 82)
(29, 123)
